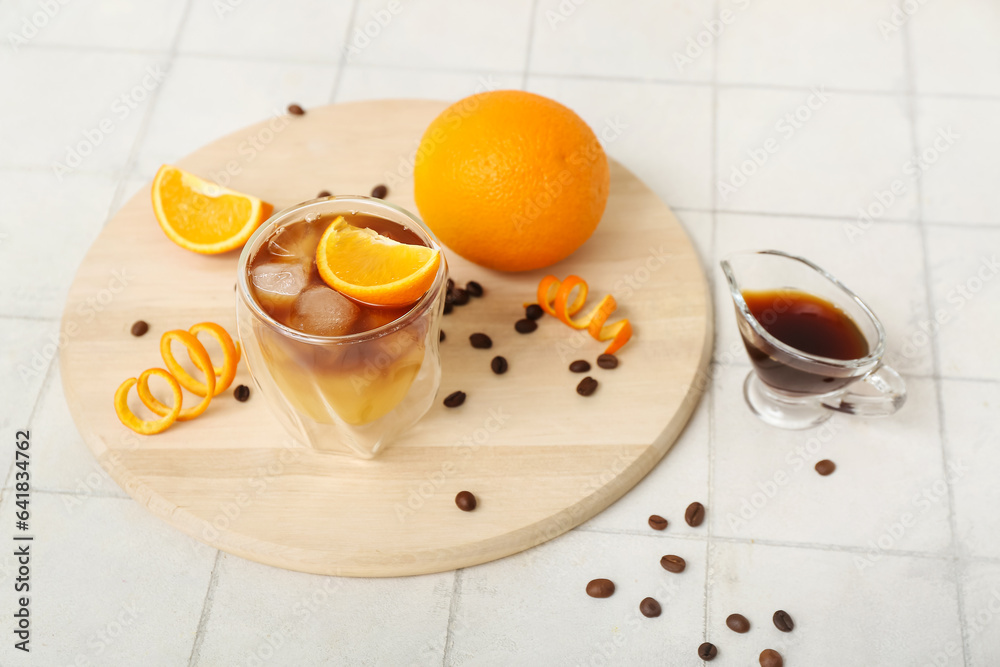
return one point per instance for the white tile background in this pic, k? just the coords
(862, 588)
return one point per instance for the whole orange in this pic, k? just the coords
(511, 180)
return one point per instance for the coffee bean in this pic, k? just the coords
(707, 651)
(657, 522)
(451, 284)
(694, 514)
(650, 608)
(296, 110)
(587, 386)
(465, 501)
(480, 341)
(525, 326)
(580, 366)
(533, 312)
(607, 361)
(441, 336)
(380, 191)
(738, 623)
(770, 658)
(460, 297)
(601, 588)
(673, 564)
(454, 399)
(324, 193)
(783, 621)
(448, 307)
(242, 393)
(499, 365)
(474, 288)
(826, 467)
(449, 298)
(139, 328)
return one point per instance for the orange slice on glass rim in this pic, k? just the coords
(203, 216)
(364, 265)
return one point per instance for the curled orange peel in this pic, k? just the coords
(230, 359)
(554, 297)
(147, 426)
(200, 358)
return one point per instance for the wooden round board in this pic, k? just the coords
(540, 458)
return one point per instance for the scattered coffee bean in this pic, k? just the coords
(826, 467)
(449, 297)
(465, 501)
(707, 651)
(460, 297)
(139, 328)
(324, 193)
(533, 312)
(480, 341)
(380, 191)
(451, 284)
(448, 307)
(474, 288)
(738, 623)
(242, 393)
(650, 608)
(580, 366)
(607, 361)
(673, 564)
(587, 386)
(525, 326)
(601, 588)
(296, 110)
(657, 522)
(694, 514)
(783, 621)
(499, 365)
(770, 658)
(454, 399)
(441, 336)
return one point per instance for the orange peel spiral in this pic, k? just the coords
(148, 426)
(554, 297)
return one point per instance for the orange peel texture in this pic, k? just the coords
(146, 426)
(554, 297)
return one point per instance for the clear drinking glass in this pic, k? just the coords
(793, 389)
(344, 394)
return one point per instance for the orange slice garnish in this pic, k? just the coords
(146, 426)
(200, 358)
(202, 216)
(364, 265)
(554, 298)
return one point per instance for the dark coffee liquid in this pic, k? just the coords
(809, 324)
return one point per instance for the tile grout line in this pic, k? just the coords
(46, 382)
(342, 61)
(206, 611)
(449, 639)
(531, 44)
(956, 567)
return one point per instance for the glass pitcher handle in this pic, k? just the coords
(886, 394)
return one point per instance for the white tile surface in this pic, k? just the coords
(369, 83)
(912, 602)
(648, 39)
(291, 618)
(832, 42)
(972, 433)
(143, 593)
(473, 35)
(955, 47)
(567, 627)
(865, 259)
(639, 123)
(75, 110)
(211, 97)
(965, 281)
(150, 25)
(765, 486)
(268, 30)
(38, 224)
(828, 160)
(981, 585)
(958, 142)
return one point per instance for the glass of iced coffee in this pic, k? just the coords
(342, 375)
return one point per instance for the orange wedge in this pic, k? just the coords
(202, 216)
(364, 265)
